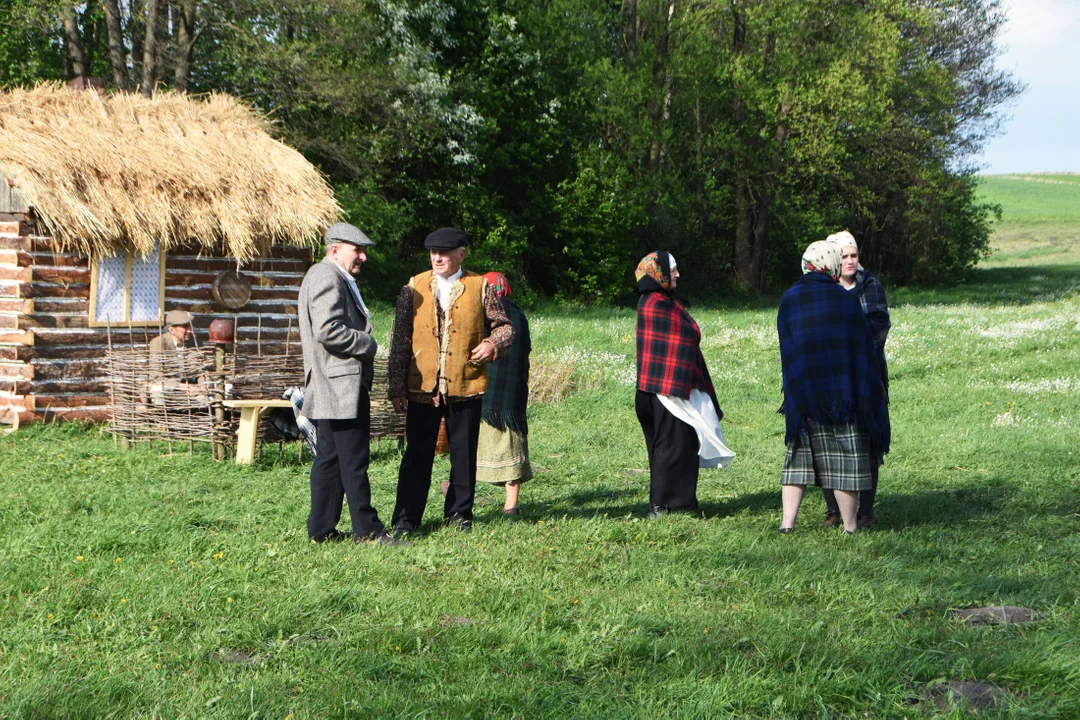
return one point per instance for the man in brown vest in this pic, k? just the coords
(448, 325)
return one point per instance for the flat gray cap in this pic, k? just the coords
(344, 232)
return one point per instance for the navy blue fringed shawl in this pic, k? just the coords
(507, 396)
(828, 360)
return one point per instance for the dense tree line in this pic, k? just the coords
(571, 136)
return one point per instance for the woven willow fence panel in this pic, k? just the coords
(166, 396)
(175, 397)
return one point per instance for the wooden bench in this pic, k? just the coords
(250, 412)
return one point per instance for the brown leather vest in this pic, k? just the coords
(449, 350)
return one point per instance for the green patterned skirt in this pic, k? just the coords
(502, 456)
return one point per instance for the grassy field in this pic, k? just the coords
(142, 585)
(1040, 220)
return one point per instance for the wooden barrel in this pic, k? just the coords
(232, 290)
(442, 444)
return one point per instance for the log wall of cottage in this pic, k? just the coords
(52, 361)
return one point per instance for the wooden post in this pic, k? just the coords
(219, 396)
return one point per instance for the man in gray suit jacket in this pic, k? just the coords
(335, 330)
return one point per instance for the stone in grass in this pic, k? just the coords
(631, 472)
(976, 696)
(994, 615)
(233, 656)
(447, 621)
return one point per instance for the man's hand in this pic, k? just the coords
(482, 353)
(401, 404)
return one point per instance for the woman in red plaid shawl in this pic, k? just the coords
(675, 403)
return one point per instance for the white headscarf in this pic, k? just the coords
(844, 239)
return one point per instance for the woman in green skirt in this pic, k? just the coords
(503, 448)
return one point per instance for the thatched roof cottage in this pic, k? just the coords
(117, 208)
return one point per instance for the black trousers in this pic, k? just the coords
(414, 476)
(866, 497)
(673, 454)
(340, 470)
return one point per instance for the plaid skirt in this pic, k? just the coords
(833, 457)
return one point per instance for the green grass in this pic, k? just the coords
(1040, 219)
(128, 578)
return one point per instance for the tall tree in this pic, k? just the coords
(185, 44)
(73, 40)
(150, 46)
(117, 50)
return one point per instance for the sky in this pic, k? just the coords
(1042, 48)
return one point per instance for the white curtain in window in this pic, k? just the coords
(146, 287)
(109, 303)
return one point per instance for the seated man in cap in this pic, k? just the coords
(335, 332)
(176, 335)
(168, 373)
(449, 322)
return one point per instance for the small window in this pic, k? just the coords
(126, 289)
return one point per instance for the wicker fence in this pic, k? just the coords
(175, 398)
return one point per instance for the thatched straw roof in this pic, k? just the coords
(105, 172)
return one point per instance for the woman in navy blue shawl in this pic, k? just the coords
(834, 402)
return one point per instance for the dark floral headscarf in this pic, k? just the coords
(654, 272)
(498, 283)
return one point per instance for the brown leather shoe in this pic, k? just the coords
(832, 519)
(865, 522)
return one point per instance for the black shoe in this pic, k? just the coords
(655, 511)
(512, 513)
(461, 524)
(332, 536)
(382, 538)
(787, 531)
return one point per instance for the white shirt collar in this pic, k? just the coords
(444, 285)
(353, 288)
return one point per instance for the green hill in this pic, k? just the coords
(1040, 217)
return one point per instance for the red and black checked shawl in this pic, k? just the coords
(669, 359)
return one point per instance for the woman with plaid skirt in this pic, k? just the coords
(861, 282)
(675, 403)
(834, 400)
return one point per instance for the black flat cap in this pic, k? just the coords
(346, 233)
(446, 238)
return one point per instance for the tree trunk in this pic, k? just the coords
(630, 30)
(73, 40)
(745, 269)
(149, 68)
(136, 29)
(765, 199)
(185, 44)
(117, 53)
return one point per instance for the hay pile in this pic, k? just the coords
(121, 171)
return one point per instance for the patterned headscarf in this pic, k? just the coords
(651, 273)
(845, 239)
(822, 257)
(498, 283)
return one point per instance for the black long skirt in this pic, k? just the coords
(673, 454)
